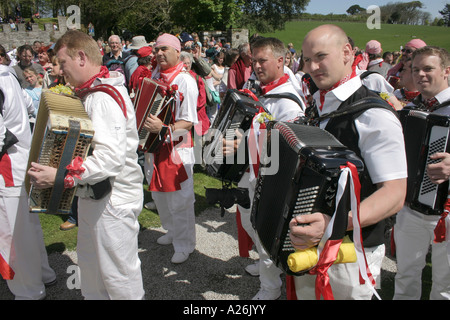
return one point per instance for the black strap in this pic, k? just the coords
(66, 157)
(286, 95)
(357, 107)
(10, 138)
(2, 101)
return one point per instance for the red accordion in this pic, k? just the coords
(153, 98)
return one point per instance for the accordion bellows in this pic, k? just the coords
(62, 132)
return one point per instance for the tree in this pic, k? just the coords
(268, 15)
(446, 14)
(355, 9)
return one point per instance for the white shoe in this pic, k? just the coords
(164, 240)
(150, 205)
(264, 294)
(179, 257)
(253, 269)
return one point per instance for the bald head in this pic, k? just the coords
(328, 32)
(327, 54)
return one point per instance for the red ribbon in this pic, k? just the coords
(326, 260)
(440, 230)
(75, 170)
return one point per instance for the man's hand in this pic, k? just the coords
(153, 124)
(439, 172)
(42, 177)
(310, 231)
(231, 144)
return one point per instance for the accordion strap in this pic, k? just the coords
(286, 95)
(66, 159)
(357, 107)
(108, 89)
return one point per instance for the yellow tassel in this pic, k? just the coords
(302, 260)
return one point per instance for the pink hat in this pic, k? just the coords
(373, 47)
(416, 43)
(168, 40)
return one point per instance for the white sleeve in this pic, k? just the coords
(382, 145)
(377, 83)
(109, 142)
(187, 109)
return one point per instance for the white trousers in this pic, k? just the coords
(344, 279)
(29, 259)
(269, 273)
(176, 209)
(107, 250)
(414, 233)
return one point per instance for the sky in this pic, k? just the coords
(341, 6)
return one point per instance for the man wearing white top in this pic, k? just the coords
(378, 140)
(415, 231)
(23, 258)
(169, 171)
(108, 225)
(268, 66)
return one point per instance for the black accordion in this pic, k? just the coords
(306, 182)
(232, 122)
(425, 134)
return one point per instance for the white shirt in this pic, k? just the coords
(284, 109)
(115, 143)
(380, 134)
(184, 110)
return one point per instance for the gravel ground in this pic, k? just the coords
(214, 271)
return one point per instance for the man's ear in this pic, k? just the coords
(83, 58)
(348, 53)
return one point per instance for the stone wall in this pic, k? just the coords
(12, 38)
(234, 36)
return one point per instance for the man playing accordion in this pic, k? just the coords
(375, 135)
(169, 170)
(414, 231)
(107, 224)
(268, 67)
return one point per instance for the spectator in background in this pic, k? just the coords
(407, 91)
(218, 69)
(289, 59)
(131, 63)
(53, 76)
(388, 57)
(241, 70)
(34, 89)
(44, 58)
(25, 54)
(115, 58)
(376, 62)
(144, 70)
(393, 75)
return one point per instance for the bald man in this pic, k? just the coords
(375, 135)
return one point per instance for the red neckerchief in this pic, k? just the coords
(168, 75)
(104, 73)
(431, 104)
(342, 81)
(410, 95)
(272, 85)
